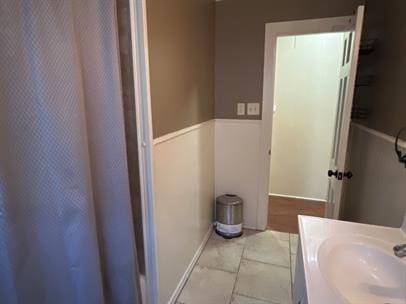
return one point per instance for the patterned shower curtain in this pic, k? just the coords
(66, 230)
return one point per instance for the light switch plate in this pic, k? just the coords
(253, 108)
(240, 108)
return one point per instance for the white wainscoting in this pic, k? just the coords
(184, 196)
(377, 192)
(237, 163)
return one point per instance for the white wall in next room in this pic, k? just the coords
(306, 95)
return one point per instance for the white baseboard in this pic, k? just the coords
(299, 197)
(189, 269)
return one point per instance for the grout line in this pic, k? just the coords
(238, 271)
(254, 298)
(290, 251)
(291, 269)
(271, 264)
(214, 268)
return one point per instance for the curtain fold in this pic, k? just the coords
(66, 229)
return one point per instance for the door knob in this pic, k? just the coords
(331, 173)
(339, 175)
(348, 174)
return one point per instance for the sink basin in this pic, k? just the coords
(362, 270)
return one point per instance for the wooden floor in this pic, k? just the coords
(283, 212)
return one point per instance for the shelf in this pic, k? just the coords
(367, 46)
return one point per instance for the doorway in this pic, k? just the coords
(307, 98)
(307, 78)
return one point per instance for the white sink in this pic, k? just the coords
(349, 263)
(363, 270)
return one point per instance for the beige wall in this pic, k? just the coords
(386, 98)
(240, 37)
(306, 94)
(181, 50)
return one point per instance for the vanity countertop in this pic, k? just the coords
(351, 263)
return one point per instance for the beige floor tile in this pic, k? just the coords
(238, 299)
(221, 254)
(263, 281)
(268, 247)
(283, 236)
(293, 266)
(240, 240)
(293, 238)
(208, 286)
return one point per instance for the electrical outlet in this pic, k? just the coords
(240, 108)
(253, 108)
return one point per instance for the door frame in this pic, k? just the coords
(139, 45)
(272, 32)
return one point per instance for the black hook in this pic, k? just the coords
(402, 158)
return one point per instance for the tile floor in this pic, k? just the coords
(257, 268)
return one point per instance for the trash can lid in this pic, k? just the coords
(229, 199)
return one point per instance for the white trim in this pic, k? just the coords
(338, 159)
(239, 121)
(403, 227)
(298, 197)
(272, 32)
(381, 135)
(139, 44)
(189, 269)
(175, 134)
(183, 131)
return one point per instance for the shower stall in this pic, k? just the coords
(73, 193)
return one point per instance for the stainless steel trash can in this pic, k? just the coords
(229, 215)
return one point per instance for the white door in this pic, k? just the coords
(348, 70)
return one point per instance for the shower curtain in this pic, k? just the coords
(66, 230)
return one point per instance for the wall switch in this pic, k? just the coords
(253, 108)
(240, 108)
